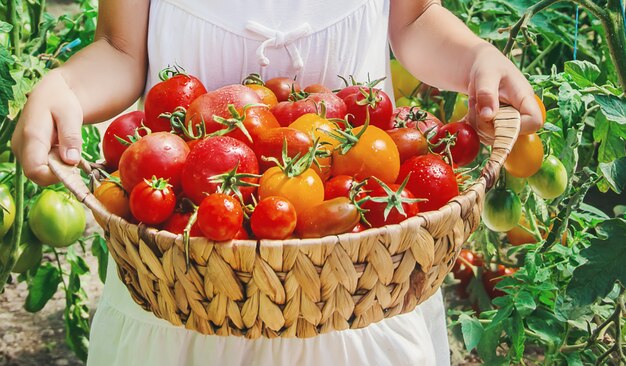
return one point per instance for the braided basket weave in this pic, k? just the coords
(294, 288)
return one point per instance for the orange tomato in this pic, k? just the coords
(526, 156)
(520, 235)
(114, 198)
(373, 155)
(303, 191)
(314, 125)
(543, 109)
(267, 96)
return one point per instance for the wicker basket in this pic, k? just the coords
(294, 288)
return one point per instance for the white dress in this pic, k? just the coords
(222, 42)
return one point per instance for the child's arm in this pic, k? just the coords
(97, 83)
(439, 49)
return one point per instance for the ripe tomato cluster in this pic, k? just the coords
(269, 160)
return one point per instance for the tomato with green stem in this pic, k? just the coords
(282, 87)
(273, 218)
(460, 139)
(270, 145)
(550, 181)
(514, 183)
(318, 127)
(177, 223)
(220, 217)
(152, 201)
(338, 186)
(365, 151)
(29, 251)
(369, 103)
(389, 204)
(113, 196)
(254, 82)
(293, 179)
(176, 89)
(57, 218)
(124, 130)
(502, 210)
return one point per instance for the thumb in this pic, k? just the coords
(68, 123)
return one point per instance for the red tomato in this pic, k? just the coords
(282, 87)
(160, 154)
(332, 217)
(177, 91)
(463, 270)
(432, 179)
(214, 156)
(216, 103)
(492, 278)
(152, 202)
(466, 145)
(177, 223)
(360, 227)
(338, 186)
(247, 126)
(388, 205)
(374, 154)
(317, 88)
(413, 117)
(273, 218)
(288, 111)
(410, 142)
(374, 101)
(220, 217)
(270, 144)
(121, 127)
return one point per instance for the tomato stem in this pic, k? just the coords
(253, 79)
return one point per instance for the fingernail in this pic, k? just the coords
(72, 155)
(486, 112)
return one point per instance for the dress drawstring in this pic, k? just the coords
(275, 38)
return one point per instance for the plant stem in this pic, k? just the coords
(15, 34)
(17, 226)
(615, 35)
(540, 57)
(523, 22)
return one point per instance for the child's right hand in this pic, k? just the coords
(52, 115)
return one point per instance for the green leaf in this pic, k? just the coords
(611, 137)
(78, 264)
(518, 337)
(488, 344)
(573, 359)
(546, 326)
(6, 81)
(472, 331)
(523, 300)
(615, 173)
(5, 27)
(571, 106)
(613, 108)
(583, 73)
(76, 317)
(99, 250)
(42, 287)
(605, 264)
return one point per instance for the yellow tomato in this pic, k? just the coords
(403, 82)
(316, 126)
(267, 96)
(303, 191)
(526, 156)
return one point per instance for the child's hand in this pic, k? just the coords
(495, 78)
(52, 115)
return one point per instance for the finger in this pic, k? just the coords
(487, 85)
(484, 129)
(522, 97)
(31, 144)
(68, 121)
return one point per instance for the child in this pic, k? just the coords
(222, 42)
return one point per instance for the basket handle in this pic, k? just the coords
(507, 127)
(72, 179)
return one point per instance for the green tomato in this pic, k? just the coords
(502, 210)
(514, 183)
(29, 252)
(4, 156)
(7, 205)
(407, 102)
(551, 179)
(57, 218)
(460, 108)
